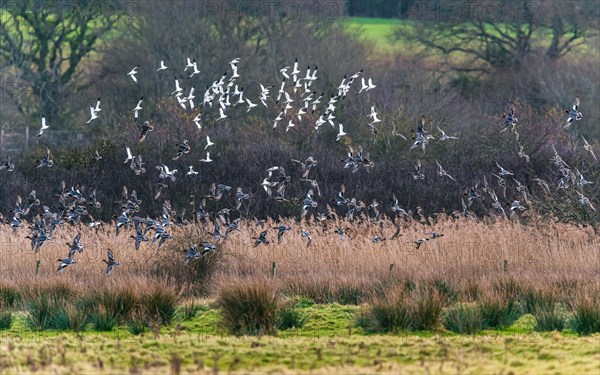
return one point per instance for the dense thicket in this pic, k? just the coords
(407, 88)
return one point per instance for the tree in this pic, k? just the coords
(482, 37)
(42, 46)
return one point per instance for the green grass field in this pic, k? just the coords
(378, 31)
(328, 343)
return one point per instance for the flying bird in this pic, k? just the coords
(132, 73)
(44, 126)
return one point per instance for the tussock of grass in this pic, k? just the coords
(554, 319)
(464, 318)
(6, 319)
(160, 303)
(289, 316)
(9, 295)
(390, 313)
(427, 308)
(103, 319)
(586, 317)
(249, 308)
(188, 310)
(499, 310)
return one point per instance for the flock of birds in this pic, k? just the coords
(297, 98)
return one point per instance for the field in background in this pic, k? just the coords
(379, 31)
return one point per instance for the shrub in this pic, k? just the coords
(586, 317)
(554, 319)
(249, 308)
(391, 313)
(463, 318)
(427, 309)
(499, 311)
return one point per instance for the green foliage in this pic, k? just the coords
(9, 296)
(103, 319)
(45, 307)
(499, 311)
(427, 309)
(536, 300)
(189, 310)
(137, 325)
(391, 314)
(160, 304)
(554, 319)
(6, 319)
(249, 308)
(289, 316)
(464, 318)
(586, 317)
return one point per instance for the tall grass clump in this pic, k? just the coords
(45, 306)
(6, 319)
(499, 310)
(427, 308)
(536, 300)
(554, 319)
(389, 313)
(103, 319)
(137, 324)
(463, 318)
(9, 296)
(249, 307)
(586, 317)
(160, 303)
(289, 316)
(197, 274)
(189, 310)
(349, 295)
(8, 299)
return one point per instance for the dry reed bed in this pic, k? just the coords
(469, 255)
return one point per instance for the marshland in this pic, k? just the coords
(328, 187)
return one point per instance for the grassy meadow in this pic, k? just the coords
(337, 302)
(433, 290)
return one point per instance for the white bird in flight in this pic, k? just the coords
(208, 142)
(93, 115)
(44, 126)
(129, 155)
(207, 159)
(222, 115)
(341, 133)
(138, 108)
(162, 66)
(133, 73)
